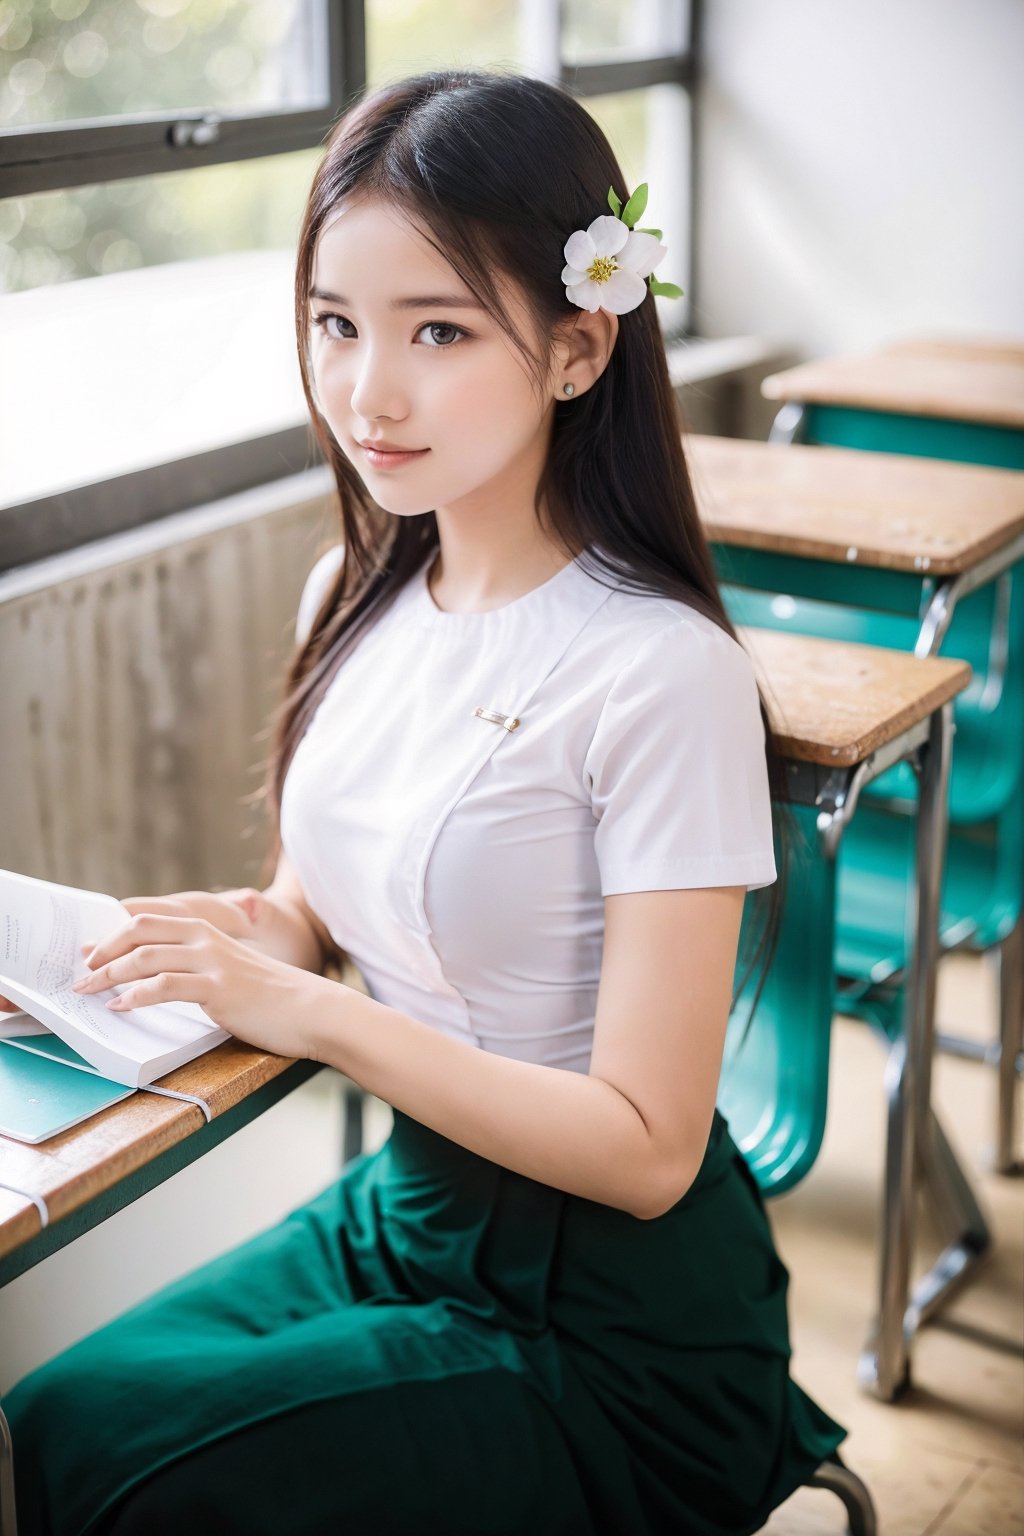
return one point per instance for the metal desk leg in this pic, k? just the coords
(1010, 972)
(958, 1216)
(8, 1520)
(885, 1360)
(789, 423)
(352, 1145)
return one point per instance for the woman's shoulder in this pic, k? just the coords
(647, 630)
(320, 577)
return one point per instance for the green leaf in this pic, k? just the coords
(655, 232)
(665, 290)
(634, 209)
(613, 202)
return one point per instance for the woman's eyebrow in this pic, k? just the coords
(436, 301)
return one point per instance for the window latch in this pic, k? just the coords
(196, 131)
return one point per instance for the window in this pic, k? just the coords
(154, 160)
(155, 156)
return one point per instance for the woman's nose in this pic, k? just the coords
(376, 390)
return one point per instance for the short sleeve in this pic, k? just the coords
(677, 771)
(315, 590)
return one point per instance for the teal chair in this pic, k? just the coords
(773, 1089)
(983, 886)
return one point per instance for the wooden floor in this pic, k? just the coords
(948, 1459)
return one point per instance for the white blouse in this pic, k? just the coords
(461, 864)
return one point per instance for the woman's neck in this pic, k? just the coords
(475, 580)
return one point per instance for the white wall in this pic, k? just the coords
(861, 170)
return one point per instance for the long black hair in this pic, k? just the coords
(497, 169)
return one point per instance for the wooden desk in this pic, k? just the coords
(956, 382)
(937, 530)
(999, 349)
(837, 703)
(844, 713)
(873, 509)
(73, 1181)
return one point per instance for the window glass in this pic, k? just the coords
(649, 131)
(603, 30)
(405, 37)
(178, 336)
(52, 237)
(76, 59)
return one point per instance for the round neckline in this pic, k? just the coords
(432, 617)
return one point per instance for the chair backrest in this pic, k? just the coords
(774, 1086)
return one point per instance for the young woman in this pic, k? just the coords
(522, 777)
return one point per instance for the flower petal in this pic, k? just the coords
(623, 291)
(579, 250)
(587, 295)
(608, 234)
(571, 274)
(641, 253)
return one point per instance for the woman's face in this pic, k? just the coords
(402, 352)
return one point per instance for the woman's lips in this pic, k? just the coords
(390, 460)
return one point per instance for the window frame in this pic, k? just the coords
(587, 80)
(89, 150)
(84, 152)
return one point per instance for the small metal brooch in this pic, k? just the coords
(508, 721)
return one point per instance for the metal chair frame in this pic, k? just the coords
(837, 1477)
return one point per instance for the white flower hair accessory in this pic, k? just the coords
(607, 262)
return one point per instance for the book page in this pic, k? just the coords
(18, 1024)
(42, 927)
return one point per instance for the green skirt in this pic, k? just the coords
(436, 1344)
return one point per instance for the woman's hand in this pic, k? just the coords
(166, 958)
(243, 913)
(234, 912)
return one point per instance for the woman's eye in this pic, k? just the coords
(439, 325)
(443, 336)
(324, 322)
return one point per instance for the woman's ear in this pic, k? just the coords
(583, 347)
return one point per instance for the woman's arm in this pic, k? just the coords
(632, 1132)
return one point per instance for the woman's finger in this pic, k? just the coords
(232, 911)
(166, 987)
(146, 960)
(148, 928)
(135, 904)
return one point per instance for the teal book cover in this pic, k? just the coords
(40, 1096)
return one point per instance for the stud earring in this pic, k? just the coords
(570, 389)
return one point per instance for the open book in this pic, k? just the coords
(42, 929)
